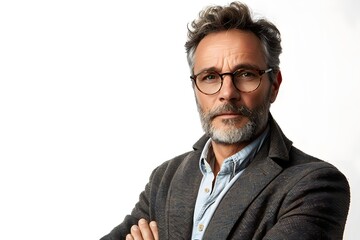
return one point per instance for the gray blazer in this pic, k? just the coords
(283, 194)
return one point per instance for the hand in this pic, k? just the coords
(143, 231)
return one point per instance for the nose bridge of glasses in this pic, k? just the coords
(222, 75)
(230, 74)
(229, 86)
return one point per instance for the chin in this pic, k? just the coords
(233, 134)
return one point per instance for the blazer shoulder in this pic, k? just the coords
(300, 165)
(303, 166)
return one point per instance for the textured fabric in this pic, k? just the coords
(209, 194)
(283, 194)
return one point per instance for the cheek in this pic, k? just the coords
(256, 99)
(202, 101)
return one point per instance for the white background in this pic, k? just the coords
(95, 94)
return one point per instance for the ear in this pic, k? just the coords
(275, 86)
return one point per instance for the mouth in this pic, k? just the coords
(228, 115)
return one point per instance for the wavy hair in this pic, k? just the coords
(234, 16)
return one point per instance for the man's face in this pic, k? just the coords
(231, 116)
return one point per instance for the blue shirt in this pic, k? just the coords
(208, 196)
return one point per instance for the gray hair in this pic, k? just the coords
(234, 16)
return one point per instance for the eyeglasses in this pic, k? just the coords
(210, 82)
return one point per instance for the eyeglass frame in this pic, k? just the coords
(232, 74)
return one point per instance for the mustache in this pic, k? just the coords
(226, 108)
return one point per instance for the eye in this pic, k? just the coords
(209, 77)
(246, 74)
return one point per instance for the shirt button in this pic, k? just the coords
(207, 190)
(201, 227)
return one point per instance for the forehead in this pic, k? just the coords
(226, 49)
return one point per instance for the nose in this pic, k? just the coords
(228, 91)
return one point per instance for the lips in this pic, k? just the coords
(228, 114)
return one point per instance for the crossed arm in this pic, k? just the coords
(143, 231)
(314, 206)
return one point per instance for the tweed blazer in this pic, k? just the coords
(282, 194)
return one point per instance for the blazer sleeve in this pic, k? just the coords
(316, 207)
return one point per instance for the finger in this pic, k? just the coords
(154, 230)
(136, 233)
(129, 237)
(145, 230)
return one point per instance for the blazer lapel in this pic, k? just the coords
(256, 177)
(182, 197)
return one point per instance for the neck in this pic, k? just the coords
(219, 152)
(223, 151)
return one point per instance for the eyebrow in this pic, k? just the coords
(238, 66)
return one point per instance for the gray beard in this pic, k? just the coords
(233, 135)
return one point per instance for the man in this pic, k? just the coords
(244, 179)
